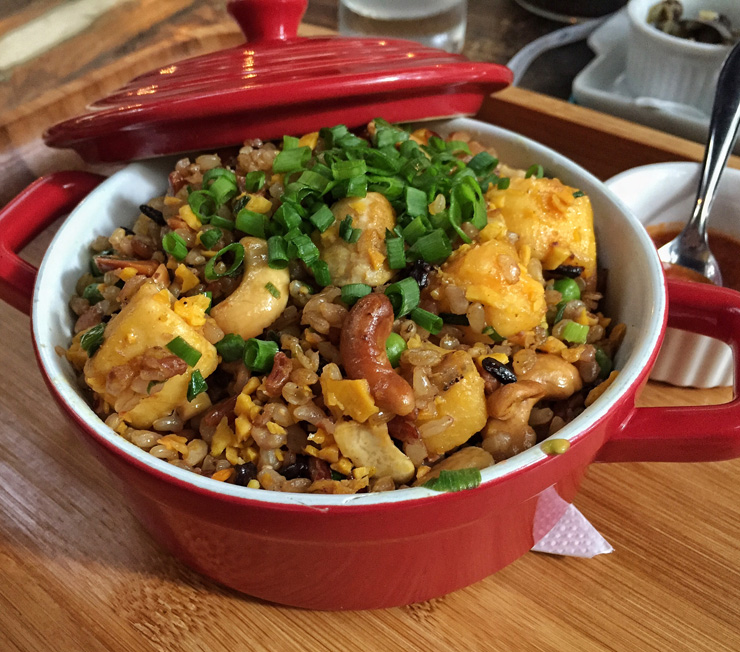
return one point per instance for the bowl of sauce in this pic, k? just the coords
(661, 196)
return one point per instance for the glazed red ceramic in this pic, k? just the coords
(276, 84)
(375, 550)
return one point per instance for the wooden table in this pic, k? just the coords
(78, 573)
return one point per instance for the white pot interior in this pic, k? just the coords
(635, 296)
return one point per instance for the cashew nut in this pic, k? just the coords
(508, 432)
(470, 457)
(252, 307)
(371, 446)
(364, 261)
(362, 346)
(559, 378)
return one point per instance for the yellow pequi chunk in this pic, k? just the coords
(371, 446)
(365, 261)
(348, 397)
(461, 397)
(491, 274)
(557, 226)
(148, 321)
(252, 307)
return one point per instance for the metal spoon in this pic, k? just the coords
(690, 248)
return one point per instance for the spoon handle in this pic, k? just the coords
(723, 128)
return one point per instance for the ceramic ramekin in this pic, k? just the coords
(382, 549)
(671, 68)
(665, 193)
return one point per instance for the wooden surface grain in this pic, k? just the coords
(78, 573)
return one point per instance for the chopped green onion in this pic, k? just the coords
(210, 270)
(347, 232)
(482, 163)
(323, 218)
(209, 294)
(395, 345)
(288, 216)
(197, 385)
(427, 320)
(535, 171)
(574, 332)
(503, 183)
(175, 245)
(455, 146)
(92, 293)
(348, 169)
(259, 355)
(272, 290)
(254, 181)
(210, 237)
(604, 362)
(455, 480)
(454, 320)
(354, 291)
(203, 204)
(404, 296)
(414, 230)
(492, 333)
(184, 351)
(332, 135)
(321, 273)
(578, 193)
(210, 176)
(223, 189)
(94, 269)
(416, 202)
(434, 247)
(251, 223)
(292, 235)
(390, 187)
(314, 180)
(568, 288)
(92, 339)
(291, 160)
(559, 312)
(357, 186)
(230, 347)
(222, 223)
(396, 253)
(303, 247)
(277, 253)
(290, 142)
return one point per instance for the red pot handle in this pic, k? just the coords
(45, 200)
(687, 433)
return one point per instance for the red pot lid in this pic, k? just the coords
(276, 84)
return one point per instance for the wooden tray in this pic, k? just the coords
(78, 573)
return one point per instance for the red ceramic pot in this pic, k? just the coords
(375, 550)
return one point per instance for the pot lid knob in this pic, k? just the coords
(268, 20)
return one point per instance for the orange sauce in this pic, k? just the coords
(725, 248)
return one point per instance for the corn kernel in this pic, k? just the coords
(190, 218)
(253, 484)
(126, 273)
(259, 204)
(309, 140)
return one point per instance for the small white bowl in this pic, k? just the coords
(671, 68)
(665, 192)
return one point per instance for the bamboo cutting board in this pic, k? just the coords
(78, 573)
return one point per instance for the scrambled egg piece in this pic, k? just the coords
(364, 261)
(484, 270)
(557, 226)
(148, 321)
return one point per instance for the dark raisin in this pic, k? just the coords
(318, 469)
(420, 271)
(245, 473)
(299, 469)
(499, 371)
(571, 271)
(152, 214)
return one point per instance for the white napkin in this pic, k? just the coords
(571, 535)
